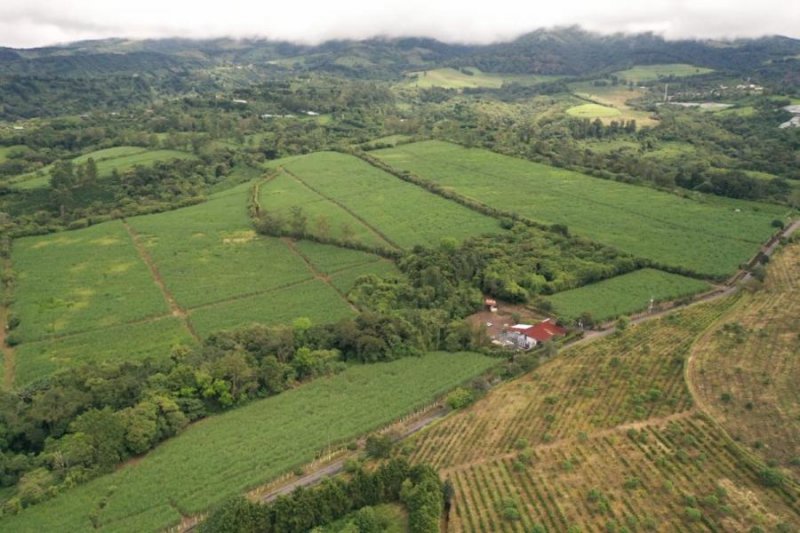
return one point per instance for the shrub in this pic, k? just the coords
(771, 477)
(459, 398)
(379, 446)
(693, 514)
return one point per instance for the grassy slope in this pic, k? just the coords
(404, 213)
(229, 453)
(450, 78)
(757, 370)
(709, 236)
(624, 294)
(593, 111)
(647, 73)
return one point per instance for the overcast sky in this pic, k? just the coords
(28, 23)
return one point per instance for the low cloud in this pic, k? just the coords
(28, 23)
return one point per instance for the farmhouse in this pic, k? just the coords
(490, 305)
(527, 336)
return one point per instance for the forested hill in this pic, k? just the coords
(566, 51)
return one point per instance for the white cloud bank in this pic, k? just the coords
(28, 23)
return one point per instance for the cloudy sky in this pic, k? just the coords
(28, 23)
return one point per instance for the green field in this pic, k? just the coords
(127, 342)
(325, 218)
(647, 73)
(121, 158)
(709, 237)
(593, 111)
(5, 150)
(79, 281)
(230, 453)
(625, 294)
(450, 78)
(401, 213)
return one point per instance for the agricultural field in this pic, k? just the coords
(647, 73)
(5, 150)
(401, 213)
(603, 436)
(121, 158)
(588, 388)
(625, 294)
(745, 370)
(710, 237)
(236, 451)
(593, 111)
(80, 281)
(133, 289)
(468, 78)
(611, 97)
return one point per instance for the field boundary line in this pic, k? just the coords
(324, 278)
(175, 309)
(244, 296)
(9, 353)
(355, 215)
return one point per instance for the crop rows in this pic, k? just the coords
(233, 452)
(404, 214)
(642, 479)
(705, 237)
(631, 377)
(745, 371)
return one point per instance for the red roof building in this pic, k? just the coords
(544, 331)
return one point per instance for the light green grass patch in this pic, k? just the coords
(404, 213)
(331, 259)
(593, 111)
(80, 281)
(648, 73)
(209, 252)
(325, 218)
(311, 299)
(129, 342)
(625, 294)
(233, 452)
(469, 77)
(344, 280)
(708, 236)
(5, 150)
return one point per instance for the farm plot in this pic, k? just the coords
(625, 294)
(468, 77)
(592, 387)
(81, 281)
(233, 452)
(681, 475)
(120, 158)
(402, 213)
(745, 371)
(129, 342)
(593, 111)
(208, 252)
(616, 97)
(648, 73)
(704, 237)
(325, 218)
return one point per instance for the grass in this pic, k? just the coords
(121, 158)
(593, 111)
(392, 516)
(708, 236)
(208, 252)
(5, 150)
(402, 213)
(233, 452)
(616, 97)
(647, 73)
(602, 436)
(625, 294)
(745, 370)
(311, 299)
(129, 342)
(79, 281)
(450, 78)
(325, 218)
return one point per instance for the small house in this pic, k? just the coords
(490, 305)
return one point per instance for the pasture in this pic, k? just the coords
(593, 111)
(648, 73)
(236, 451)
(401, 213)
(603, 436)
(614, 97)
(625, 294)
(744, 371)
(468, 78)
(707, 236)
